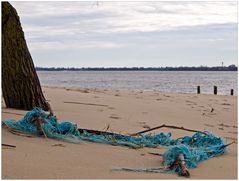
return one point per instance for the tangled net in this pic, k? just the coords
(196, 148)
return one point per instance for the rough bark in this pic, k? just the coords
(20, 84)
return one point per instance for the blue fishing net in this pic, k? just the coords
(199, 147)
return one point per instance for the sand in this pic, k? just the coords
(124, 112)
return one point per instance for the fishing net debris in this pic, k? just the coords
(196, 148)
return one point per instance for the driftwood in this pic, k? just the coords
(157, 154)
(90, 104)
(12, 146)
(20, 133)
(224, 146)
(166, 126)
(15, 132)
(180, 161)
(99, 132)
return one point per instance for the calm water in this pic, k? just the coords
(175, 81)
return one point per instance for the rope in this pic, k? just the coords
(196, 148)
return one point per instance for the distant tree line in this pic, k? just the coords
(201, 68)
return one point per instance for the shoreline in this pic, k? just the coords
(125, 112)
(82, 89)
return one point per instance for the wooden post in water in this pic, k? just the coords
(198, 89)
(215, 90)
(231, 92)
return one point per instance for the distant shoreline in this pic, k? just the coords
(202, 68)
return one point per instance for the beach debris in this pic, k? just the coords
(38, 121)
(226, 104)
(157, 154)
(166, 126)
(231, 138)
(61, 145)
(114, 117)
(146, 126)
(179, 158)
(182, 164)
(7, 145)
(20, 134)
(106, 127)
(224, 125)
(90, 104)
(15, 131)
(86, 91)
(166, 95)
(187, 151)
(212, 110)
(209, 125)
(224, 146)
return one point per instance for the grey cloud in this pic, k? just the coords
(129, 33)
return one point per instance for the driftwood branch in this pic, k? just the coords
(167, 126)
(157, 154)
(99, 132)
(19, 133)
(90, 104)
(12, 146)
(224, 146)
(14, 131)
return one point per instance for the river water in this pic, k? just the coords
(166, 81)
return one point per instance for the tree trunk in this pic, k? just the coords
(20, 84)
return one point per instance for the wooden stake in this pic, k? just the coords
(198, 89)
(215, 90)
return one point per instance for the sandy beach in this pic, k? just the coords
(124, 112)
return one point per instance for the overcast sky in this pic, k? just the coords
(128, 34)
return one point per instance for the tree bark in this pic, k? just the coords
(20, 84)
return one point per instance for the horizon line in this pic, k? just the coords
(140, 67)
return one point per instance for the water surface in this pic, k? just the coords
(166, 81)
